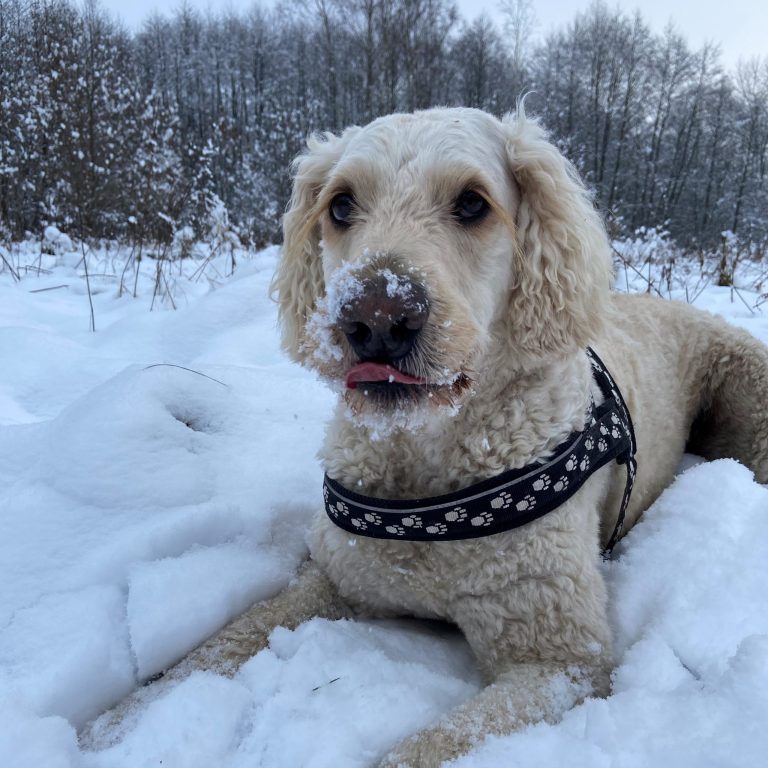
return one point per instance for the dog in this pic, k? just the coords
(446, 272)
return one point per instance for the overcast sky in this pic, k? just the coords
(740, 26)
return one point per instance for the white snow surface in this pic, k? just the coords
(143, 505)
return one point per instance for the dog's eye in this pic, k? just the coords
(470, 207)
(341, 209)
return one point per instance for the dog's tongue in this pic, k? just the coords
(367, 372)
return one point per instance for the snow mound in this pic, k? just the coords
(174, 604)
(157, 476)
(690, 609)
(328, 694)
(56, 241)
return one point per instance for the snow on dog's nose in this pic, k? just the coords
(383, 322)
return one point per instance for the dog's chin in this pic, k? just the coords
(392, 404)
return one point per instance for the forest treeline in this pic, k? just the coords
(107, 133)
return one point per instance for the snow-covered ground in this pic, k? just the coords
(155, 479)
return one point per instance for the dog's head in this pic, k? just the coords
(422, 248)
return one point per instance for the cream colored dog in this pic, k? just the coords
(446, 271)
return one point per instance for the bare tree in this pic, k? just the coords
(104, 130)
(519, 26)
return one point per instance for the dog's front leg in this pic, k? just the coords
(542, 638)
(310, 595)
(524, 694)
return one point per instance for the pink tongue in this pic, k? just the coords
(367, 372)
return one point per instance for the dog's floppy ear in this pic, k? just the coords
(563, 270)
(298, 282)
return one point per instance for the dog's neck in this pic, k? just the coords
(508, 421)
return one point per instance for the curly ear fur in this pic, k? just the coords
(298, 282)
(564, 268)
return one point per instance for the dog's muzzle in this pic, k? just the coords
(383, 322)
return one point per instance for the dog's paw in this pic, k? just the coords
(430, 748)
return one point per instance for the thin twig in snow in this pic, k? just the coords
(318, 687)
(7, 263)
(88, 284)
(734, 289)
(626, 264)
(52, 288)
(183, 368)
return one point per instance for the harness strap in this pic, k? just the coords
(509, 500)
(610, 389)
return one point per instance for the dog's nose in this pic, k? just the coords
(383, 322)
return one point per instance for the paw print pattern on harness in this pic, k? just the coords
(372, 518)
(396, 530)
(542, 483)
(456, 515)
(340, 508)
(529, 502)
(412, 521)
(502, 501)
(483, 519)
(437, 528)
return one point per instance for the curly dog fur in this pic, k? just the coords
(515, 301)
(515, 297)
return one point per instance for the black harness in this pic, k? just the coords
(511, 499)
